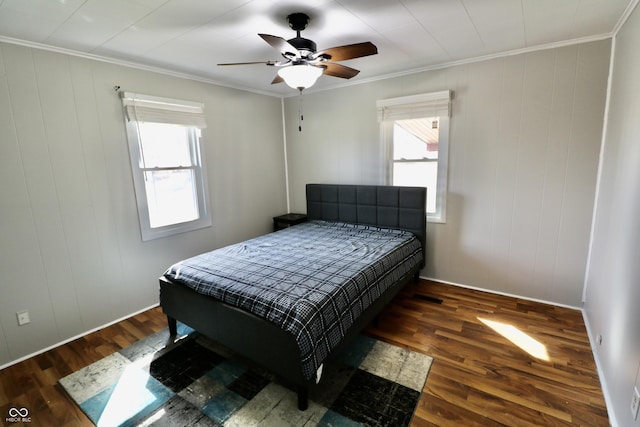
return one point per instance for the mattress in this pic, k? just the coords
(312, 280)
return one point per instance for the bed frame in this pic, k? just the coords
(261, 341)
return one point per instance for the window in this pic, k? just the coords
(167, 164)
(415, 135)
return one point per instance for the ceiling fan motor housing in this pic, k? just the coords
(298, 21)
(303, 44)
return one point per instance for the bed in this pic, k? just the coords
(320, 283)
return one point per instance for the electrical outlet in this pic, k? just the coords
(23, 317)
(635, 403)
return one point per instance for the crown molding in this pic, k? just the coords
(130, 64)
(450, 64)
(625, 15)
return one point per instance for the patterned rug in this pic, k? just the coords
(195, 382)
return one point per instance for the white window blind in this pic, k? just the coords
(154, 109)
(435, 104)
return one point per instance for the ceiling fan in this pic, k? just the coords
(303, 64)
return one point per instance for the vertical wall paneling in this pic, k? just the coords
(17, 222)
(66, 152)
(558, 141)
(531, 162)
(9, 156)
(586, 127)
(107, 262)
(36, 244)
(509, 115)
(70, 245)
(612, 293)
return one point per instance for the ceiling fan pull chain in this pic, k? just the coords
(300, 115)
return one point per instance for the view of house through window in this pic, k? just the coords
(415, 155)
(168, 168)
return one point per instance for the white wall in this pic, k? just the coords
(612, 304)
(70, 246)
(524, 145)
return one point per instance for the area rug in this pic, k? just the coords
(192, 381)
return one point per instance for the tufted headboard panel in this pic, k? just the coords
(384, 206)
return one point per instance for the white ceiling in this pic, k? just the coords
(192, 36)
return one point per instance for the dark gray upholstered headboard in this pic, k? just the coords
(385, 206)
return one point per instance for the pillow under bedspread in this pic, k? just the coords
(312, 280)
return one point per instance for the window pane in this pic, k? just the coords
(171, 197)
(164, 145)
(418, 174)
(416, 139)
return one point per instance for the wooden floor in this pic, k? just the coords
(478, 378)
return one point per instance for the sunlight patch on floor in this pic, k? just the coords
(530, 345)
(134, 391)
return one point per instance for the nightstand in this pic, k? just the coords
(287, 220)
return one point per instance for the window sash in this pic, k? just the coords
(418, 173)
(154, 154)
(423, 160)
(167, 111)
(168, 168)
(162, 205)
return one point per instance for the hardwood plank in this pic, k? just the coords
(478, 378)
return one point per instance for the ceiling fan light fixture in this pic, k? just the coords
(300, 76)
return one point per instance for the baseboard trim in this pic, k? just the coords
(603, 382)
(506, 294)
(68, 340)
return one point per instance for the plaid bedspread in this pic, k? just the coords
(313, 279)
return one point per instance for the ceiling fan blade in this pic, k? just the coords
(339, 70)
(281, 45)
(277, 79)
(272, 63)
(350, 51)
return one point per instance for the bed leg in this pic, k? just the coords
(173, 326)
(303, 398)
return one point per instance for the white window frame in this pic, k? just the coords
(146, 108)
(433, 104)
